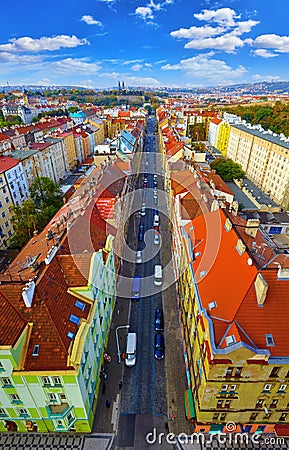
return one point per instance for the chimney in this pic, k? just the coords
(261, 287)
(252, 227)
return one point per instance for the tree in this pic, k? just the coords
(197, 132)
(25, 222)
(228, 169)
(46, 195)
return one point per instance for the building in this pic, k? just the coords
(265, 158)
(214, 129)
(233, 292)
(57, 299)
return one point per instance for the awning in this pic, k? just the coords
(189, 405)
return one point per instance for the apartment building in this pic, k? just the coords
(13, 191)
(56, 303)
(235, 329)
(265, 158)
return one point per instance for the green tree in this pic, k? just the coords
(197, 132)
(25, 222)
(73, 109)
(228, 169)
(46, 195)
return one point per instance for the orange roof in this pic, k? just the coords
(6, 163)
(226, 277)
(216, 121)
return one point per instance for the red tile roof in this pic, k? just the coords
(227, 278)
(7, 162)
(12, 322)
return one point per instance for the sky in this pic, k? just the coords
(144, 43)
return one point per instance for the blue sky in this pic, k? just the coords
(174, 43)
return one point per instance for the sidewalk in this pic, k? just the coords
(106, 418)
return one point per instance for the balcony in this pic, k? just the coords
(58, 411)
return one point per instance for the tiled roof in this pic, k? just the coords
(6, 163)
(12, 322)
(75, 268)
(4, 137)
(227, 277)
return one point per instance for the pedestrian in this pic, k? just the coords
(122, 307)
(103, 388)
(107, 403)
(120, 385)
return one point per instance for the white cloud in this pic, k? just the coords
(75, 66)
(263, 53)
(141, 81)
(27, 44)
(224, 36)
(278, 43)
(196, 32)
(145, 12)
(90, 20)
(258, 77)
(136, 67)
(6, 57)
(228, 43)
(203, 67)
(222, 16)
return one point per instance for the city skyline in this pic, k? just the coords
(171, 43)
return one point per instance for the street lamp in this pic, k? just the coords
(117, 342)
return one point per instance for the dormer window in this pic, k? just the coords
(36, 350)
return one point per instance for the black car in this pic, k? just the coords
(159, 320)
(159, 346)
(141, 232)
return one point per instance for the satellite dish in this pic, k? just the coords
(249, 262)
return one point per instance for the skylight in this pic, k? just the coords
(269, 340)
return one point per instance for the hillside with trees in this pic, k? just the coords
(275, 117)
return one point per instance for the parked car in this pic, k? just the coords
(159, 346)
(138, 257)
(141, 232)
(156, 238)
(159, 320)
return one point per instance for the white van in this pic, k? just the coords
(130, 354)
(158, 279)
(156, 220)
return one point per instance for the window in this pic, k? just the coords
(269, 340)
(4, 190)
(233, 387)
(46, 380)
(259, 403)
(283, 417)
(52, 397)
(282, 388)
(14, 398)
(238, 371)
(267, 416)
(253, 416)
(224, 388)
(274, 403)
(227, 403)
(7, 199)
(36, 350)
(3, 214)
(70, 335)
(215, 416)
(62, 396)
(59, 423)
(267, 387)
(6, 382)
(219, 403)
(74, 319)
(1, 205)
(7, 224)
(274, 372)
(223, 416)
(229, 372)
(22, 412)
(1, 366)
(56, 380)
(2, 412)
(69, 418)
(79, 305)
